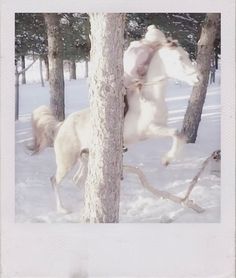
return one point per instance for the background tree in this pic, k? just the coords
(205, 49)
(102, 188)
(55, 56)
(30, 38)
(76, 44)
(17, 95)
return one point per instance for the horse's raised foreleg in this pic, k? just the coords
(164, 131)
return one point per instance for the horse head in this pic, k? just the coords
(177, 64)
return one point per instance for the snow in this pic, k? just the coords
(34, 195)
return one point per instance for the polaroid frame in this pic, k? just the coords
(133, 250)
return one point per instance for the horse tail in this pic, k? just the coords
(44, 129)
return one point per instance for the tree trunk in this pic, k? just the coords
(41, 71)
(205, 48)
(86, 69)
(16, 95)
(72, 69)
(216, 60)
(23, 79)
(102, 188)
(45, 59)
(56, 76)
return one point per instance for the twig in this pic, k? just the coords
(159, 193)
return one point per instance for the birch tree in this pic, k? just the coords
(205, 49)
(102, 188)
(55, 57)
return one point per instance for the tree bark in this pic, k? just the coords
(72, 69)
(23, 78)
(102, 188)
(41, 71)
(56, 75)
(205, 49)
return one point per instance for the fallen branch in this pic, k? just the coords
(159, 193)
(216, 156)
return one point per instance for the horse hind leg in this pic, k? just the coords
(64, 165)
(81, 174)
(59, 206)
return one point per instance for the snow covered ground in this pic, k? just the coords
(34, 196)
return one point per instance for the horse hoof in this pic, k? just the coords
(166, 161)
(63, 211)
(125, 149)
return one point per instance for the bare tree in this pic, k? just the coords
(55, 57)
(205, 49)
(102, 189)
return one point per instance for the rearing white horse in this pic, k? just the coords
(146, 117)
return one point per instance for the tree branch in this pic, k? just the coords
(216, 156)
(159, 193)
(24, 70)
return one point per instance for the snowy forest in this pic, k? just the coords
(117, 117)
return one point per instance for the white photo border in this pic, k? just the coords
(133, 250)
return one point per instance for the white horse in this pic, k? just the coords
(146, 117)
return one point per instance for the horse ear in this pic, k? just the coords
(171, 42)
(175, 43)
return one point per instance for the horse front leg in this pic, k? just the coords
(177, 143)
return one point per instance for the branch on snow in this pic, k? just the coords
(159, 193)
(216, 155)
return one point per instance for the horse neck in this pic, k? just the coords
(154, 86)
(155, 81)
(156, 70)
